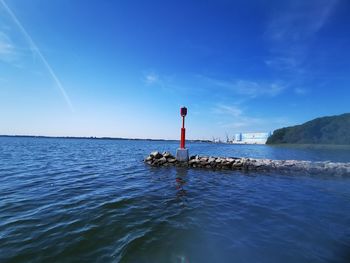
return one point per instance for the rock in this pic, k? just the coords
(155, 162)
(167, 155)
(228, 164)
(162, 160)
(218, 160)
(203, 163)
(237, 164)
(193, 161)
(211, 159)
(153, 154)
(230, 160)
(283, 166)
(156, 155)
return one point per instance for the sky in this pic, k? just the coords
(124, 68)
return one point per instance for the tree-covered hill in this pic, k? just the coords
(325, 130)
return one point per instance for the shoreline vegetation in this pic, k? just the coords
(329, 130)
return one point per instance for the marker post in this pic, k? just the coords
(182, 152)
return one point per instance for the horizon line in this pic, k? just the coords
(94, 137)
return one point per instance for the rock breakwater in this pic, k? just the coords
(248, 164)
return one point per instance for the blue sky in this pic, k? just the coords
(124, 68)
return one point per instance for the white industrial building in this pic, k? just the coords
(251, 137)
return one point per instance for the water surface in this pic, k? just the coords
(70, 200)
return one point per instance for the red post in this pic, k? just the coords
(183, 134)
(183, 112)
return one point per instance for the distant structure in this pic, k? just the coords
(216, 140)
(251, 138)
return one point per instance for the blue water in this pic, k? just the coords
(70, 200)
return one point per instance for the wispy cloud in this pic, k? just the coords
(299, 20)
(284, 62)
(151, 78)
(291, 29)
(234, 117)
(300, 91)
(7, 49)
(248, 88)
(163, 82)
(234, 110)
(35, 49)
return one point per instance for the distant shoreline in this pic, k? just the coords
(311, 146)
(288, 145)
(93, 138)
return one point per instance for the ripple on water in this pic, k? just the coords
(94, 200)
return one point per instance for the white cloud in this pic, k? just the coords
(151, 78)
(247, 88)
(282, 63)
(245, 124)
(7, 49)
(300, 91)
(162, 82)
(234, 111)
(291, 29)
(254, 89)
(235, 119)
(300, 20)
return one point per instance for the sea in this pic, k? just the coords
(91, 200)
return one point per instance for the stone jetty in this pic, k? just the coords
(248, 164)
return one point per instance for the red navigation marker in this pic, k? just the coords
(183, 112)
(182, 153)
